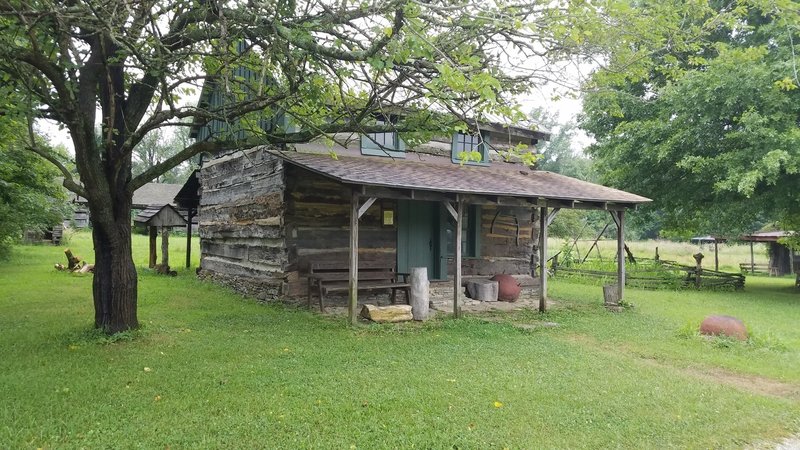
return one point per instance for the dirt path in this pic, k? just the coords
(755, 384)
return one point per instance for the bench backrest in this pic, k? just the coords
(341, 271)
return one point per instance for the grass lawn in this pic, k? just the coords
(211, 369)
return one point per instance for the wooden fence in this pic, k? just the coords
(653, 274)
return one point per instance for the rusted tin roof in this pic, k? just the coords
(765, 236)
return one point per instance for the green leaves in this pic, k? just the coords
(710, 132)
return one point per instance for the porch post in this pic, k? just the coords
(716, 256)
(752, 259)
(190, 216)
(457, 265)
(153, 234)
(543, 259)
(620, 254)
(353, 304)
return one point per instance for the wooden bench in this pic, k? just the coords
(756, 268)
(325, 278)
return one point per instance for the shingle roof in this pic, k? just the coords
(165, 215)
(147, 195)
(441, 175)
(155, 194)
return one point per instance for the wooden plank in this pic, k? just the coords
(552, 216)
(383, 192)
(353, 258)
(451, 210)
(542, 259)
(457, 269)
(366, 206)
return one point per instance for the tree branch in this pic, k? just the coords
(69, 181)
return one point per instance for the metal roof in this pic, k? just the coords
(766, 236)
(430, 173)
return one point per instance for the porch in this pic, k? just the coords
(433, 201)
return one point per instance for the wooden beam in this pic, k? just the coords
(353, 279)
(542, 259)
(451, 210)
(190, 215)
(566, 204)
(752, 259)
(383, 192)
(552, 216)
(716, 255)
(620, 253)
(366, 206)
(457, 265)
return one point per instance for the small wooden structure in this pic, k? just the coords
(782, 259)
(163, 217)
(188, 199)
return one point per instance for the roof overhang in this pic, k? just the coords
(503, 184)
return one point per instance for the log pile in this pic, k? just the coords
(74, 264)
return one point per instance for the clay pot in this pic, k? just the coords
(508, 288)
(724, 326)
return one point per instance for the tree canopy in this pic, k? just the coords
(132, 67)
(710, 131)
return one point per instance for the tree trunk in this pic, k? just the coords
(115, 282)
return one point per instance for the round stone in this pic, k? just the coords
(724, 326)
(508, 288)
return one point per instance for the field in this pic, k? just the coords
(212, 369)
(730, 254)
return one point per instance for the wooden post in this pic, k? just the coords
(457, 265)
(716, 256)
(419, 294)
(165, 247)
(620, 255)
(190, 216)
(353, 304)
(698, 270)
(153, 254)
(542, 259)
(752, 260)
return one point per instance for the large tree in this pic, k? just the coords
(333, 66)
(710, 132)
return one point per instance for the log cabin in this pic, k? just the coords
(266, 214)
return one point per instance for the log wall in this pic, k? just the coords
(241, 216)
(262, 222)
(507, 243)
(317, 221)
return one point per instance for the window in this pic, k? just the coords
(470, 233)
(467, 143)
(384, 143)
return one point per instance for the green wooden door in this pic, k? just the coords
(418, 236)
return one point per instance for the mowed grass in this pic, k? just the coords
(212, 369)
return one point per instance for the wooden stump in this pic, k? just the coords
(387, 314)
(483, 290)
(610, 295)
(73, 261)
(419, 298)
